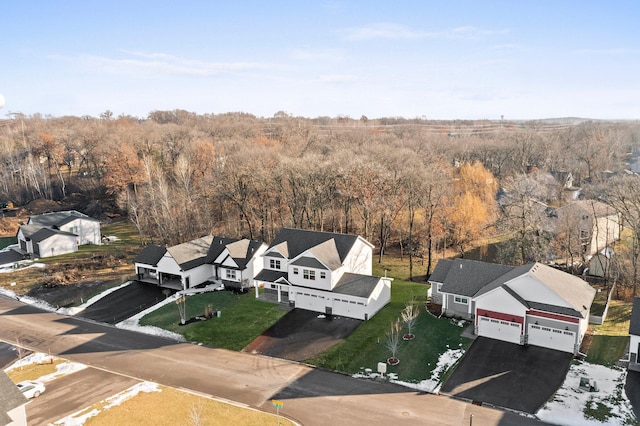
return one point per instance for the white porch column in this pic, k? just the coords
(279, 295)
(255, 283)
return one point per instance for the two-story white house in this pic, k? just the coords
(52, 234)
(324, 272)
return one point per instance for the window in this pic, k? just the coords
(308, 274)
(295, 271)
(323, 275)
(459, 299)
(274, 264)
(231, 274)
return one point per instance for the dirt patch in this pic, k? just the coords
(300, 335)
(69, 294)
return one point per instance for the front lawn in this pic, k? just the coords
(418, 357)
(242, 319)
(611, 338)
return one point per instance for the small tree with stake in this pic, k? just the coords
(409, 317)
(182, 308)
(393, 342)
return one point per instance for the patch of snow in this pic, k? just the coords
(432, 384)
(31, 265)
(28, 300)
(77, 419)
(133, 323)
(111, 238)
(62, 369)
(321, 316)
(569, 402)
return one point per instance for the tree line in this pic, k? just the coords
(416, 185)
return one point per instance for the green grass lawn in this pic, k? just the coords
(418, 357)
(242, 319)
(7, 241)
(611, 338)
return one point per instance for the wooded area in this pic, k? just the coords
(412, 184)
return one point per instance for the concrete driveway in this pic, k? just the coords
(300, 334)
(632, 389)
(507, 375)
(124, 303)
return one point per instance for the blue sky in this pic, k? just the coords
(433, 59)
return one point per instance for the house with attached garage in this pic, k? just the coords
(227, 261)
(532, 304)
(52, 234)
(634, 336)
(12, 403)
(325, 272)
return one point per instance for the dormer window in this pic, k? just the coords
(274, 264)
(309, 274)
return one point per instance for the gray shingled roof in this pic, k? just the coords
(468, 277)
(634, 326)
(150, 255)
(270, 276)
(10, 256)
(192, 253)
(441, 270)
(356, 285)
(298, 241)
(58, 218)
(10, 398)
(308, 262)
(45, 233)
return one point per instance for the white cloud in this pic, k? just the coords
(160, 63)
(611, 51)
(337, 78)
(391, 31)
(317, 54)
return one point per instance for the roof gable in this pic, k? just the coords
(467, 277)
(10, 396)
(192, 253)
(150, 255)
(297, 241)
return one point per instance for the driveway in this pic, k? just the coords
(9, 354)
(300, 335)
(632, 389)
(124, 303)
(507, 375)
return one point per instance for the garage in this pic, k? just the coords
(349, 308)
(499, 329)
(311, 302)
(552, 338)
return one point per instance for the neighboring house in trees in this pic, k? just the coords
(634, 336)
(532, 304)
(231, 262)
(598, 224)
(324, 272)
(12, 403)
(52, 234)
(602, 264)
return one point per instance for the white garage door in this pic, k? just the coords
(552, 338)
(349, 308)
(501, 330)
(310, 302)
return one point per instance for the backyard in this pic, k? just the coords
(609, 340)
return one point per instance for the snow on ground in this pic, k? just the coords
(62, 369)
(24, 265)
(28, 300)
(432, 384)
(80, 417)
(133, 323)
(568, 405)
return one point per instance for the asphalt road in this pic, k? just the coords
(310, 396)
